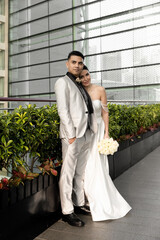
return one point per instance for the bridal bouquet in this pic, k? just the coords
(108, 146)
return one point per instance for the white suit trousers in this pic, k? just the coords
(71, 182)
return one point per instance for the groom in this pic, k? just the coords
(77, 124)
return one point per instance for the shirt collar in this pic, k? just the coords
(70, 75)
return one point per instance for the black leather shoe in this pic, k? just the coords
(85, 210)
(73, 220)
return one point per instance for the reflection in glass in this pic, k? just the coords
(147, 75)
(117, 78)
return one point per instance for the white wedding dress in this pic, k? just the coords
(104, 199)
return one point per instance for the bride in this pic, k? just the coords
(104, 199)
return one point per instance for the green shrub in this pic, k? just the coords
(35, 131)
(31, 130)
(132, 120)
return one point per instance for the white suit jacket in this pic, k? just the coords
(72, 109)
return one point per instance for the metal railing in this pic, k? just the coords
(12, 99)
(15, 99)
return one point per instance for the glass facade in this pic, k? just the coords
(2, 49)
(120, 41)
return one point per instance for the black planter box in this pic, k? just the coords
(155, 140)
(20, 205)
(40, 197)
(138, 152)
(111, 166)
(123, 144)
(122, 161)
(138, 148)
(136, 139)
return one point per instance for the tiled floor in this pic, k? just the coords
(140, 186)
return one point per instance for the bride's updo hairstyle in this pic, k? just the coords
(85, 68)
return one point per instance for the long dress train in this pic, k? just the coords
(104, 199)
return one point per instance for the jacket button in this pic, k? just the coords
(86, 112)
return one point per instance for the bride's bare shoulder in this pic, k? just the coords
(99, 88)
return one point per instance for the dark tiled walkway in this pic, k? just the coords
(140, 186)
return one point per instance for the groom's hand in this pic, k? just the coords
(71, 140)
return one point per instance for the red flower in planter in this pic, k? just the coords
(4, 183)
(48, 167)
(141, 130)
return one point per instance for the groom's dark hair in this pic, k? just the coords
(75, 53)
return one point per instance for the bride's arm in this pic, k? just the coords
(105, 113)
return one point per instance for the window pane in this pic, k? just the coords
(87, 12)
(151, 93)
(80, 2)
(138, 3)
(53, 80)
(29, 14)
(33, 72)
(90, 46)
(29, 29)
(117, 78)
(120, 94)
(87, 30)
(147, 15)
(116, 6)
(60, 36)
(33, 2)
(29, 87)
(146, 55)
(60, 20)
(29, 58)
(121, 41)
(60, 52)
(58, 68)
(147, 35)
(108, 61)
(147, 75)
(17, 5)
(29, 44)
(57, 6)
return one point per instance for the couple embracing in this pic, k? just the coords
(84, 118)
